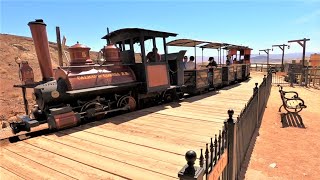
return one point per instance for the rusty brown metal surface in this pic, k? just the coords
(88, 77)
(65, 120)
(157, 75)
(79, 55)
(111, 53)
(40, 39)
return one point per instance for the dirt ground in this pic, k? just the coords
(11, 46)
(293, 145)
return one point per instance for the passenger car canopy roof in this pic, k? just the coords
(134, 33)
(215, 45)
(186, 42)
(236, 47)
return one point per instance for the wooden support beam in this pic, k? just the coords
(59, 46)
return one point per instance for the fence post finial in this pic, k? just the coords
(189, 171)
(230, 113)
(255, 88)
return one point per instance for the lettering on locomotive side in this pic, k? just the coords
(92, 76)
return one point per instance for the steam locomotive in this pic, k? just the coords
(123, 81)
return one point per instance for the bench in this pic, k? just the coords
(291, 101)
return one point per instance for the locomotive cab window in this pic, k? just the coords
(155, 49)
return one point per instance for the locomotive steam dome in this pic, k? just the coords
(79, 55)
(111, 53)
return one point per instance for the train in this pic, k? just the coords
(125, 78)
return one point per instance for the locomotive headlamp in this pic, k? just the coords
(55, 94)
(101, 61)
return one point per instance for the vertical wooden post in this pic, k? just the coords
(59, 46)
(165, 49)
(25, 101)
(231, 138)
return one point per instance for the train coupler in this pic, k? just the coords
(24, 123)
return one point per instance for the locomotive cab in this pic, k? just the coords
(151, 68)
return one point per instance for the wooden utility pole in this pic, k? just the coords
(266, 51)
(282, 47)
(302, 43)
(59, 46)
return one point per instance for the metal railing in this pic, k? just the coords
(224, 156)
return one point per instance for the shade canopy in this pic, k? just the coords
(215, 45)
(236, 47)
(135, 33)
(186, 42)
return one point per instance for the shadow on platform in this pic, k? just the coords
(291, 120)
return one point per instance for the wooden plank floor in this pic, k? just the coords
(146, 144)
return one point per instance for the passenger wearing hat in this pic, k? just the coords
(211, 64)
(228, 61)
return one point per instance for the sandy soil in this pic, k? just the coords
(293, 144)
(12, 46)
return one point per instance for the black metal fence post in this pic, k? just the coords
(266, 83)
(189, 171)
(255, 88)
(256, 92)
(231, 139)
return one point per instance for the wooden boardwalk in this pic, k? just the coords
(146, 144)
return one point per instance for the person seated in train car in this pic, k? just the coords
(235, 61)
(151, 56)
(211, 65)
(185, 61)
(228, 62)
(190, 64)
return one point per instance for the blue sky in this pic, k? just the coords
(257, 24)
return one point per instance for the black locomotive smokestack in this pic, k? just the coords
(41, 44)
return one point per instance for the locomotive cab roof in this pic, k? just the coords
(135, 33)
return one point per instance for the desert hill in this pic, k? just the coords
(12, 46)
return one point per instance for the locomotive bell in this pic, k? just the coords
(111, 53)
(79, 55)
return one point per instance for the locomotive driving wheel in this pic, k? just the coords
(127, 101)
